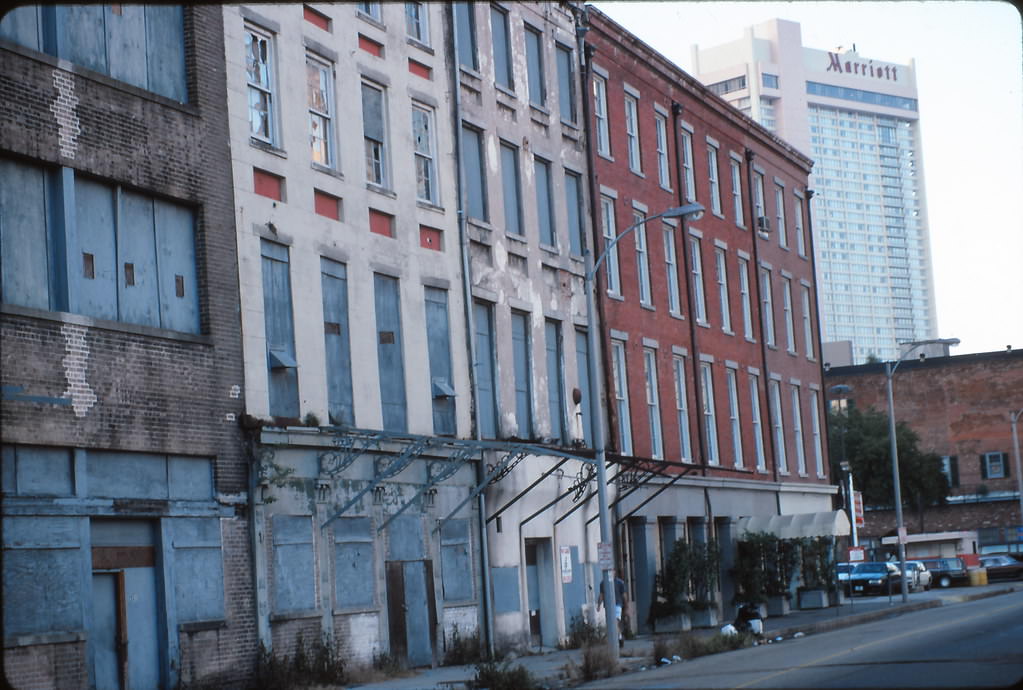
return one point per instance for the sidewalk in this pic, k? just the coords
(551, 669)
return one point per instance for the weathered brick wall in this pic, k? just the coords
(949, 518)
(47, 666)
(135, 388)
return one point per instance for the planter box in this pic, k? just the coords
(778, 606)
(836, 597)
(813, 599)
(669, 624)
(706, 618)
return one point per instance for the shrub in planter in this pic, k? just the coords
(688, 582)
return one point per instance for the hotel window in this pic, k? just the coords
(320, 94)
(465, 31)
(994, 466)
(535, 67)
(790, 329)
(710, 426)
(642, 259)
(774, 395)
(682, 407)
(779, 203)
(721, 271)
(807, 322)
(661, 129)
(769, 81)
(566, 84)
(715, 182)
(733, 415)
(653, 404)
(621, 396)
(800, 234)
(671, 267)
(797, 432)
(544, 202)
(417, 22)
(600, 113)
(747, 302)
(426, 169)
(373, 119)
(767, 311)
(687, 165)
(737, 192)
(503, 75)
(758, 428)
(632, 132)
(511, 188)
(475, 180)
(259, 67)
(815, 426)
(696, 266)
(607, 212)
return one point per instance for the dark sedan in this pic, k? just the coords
(877, 577)
(1002, 567)
(947, 571)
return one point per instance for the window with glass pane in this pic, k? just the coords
(535, 67)
(682, 407)
(653, 404)
(642, 259)
(758, 429)
(779, 203)
(573, 203)
(733, 415)
(737, 193)
(774, 398)
(416, 22)
(370, 9)
(426, 169)
(671, 268)
(607, 212)
(566, 83)
(260, 77)
(555, 379)
(758, 196)
(710, 426)
(815, 422)
(600, 113)
(721, 271)
(475, 181)
(715, 182)
(661, 130)
(790, 331)
(621, 396)
(373, 133)
(767, 312)
(503, 75)
(747, 301)
(465, 33)
(632, 132)
(320, 95)
(523, 373)
(807, 323)
(798, 222)
(687, 166)
(696, 268)
(544, 203)
(797, 431)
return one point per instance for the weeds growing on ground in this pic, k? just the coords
(495, 676)
(315, 663)
(690, 645)
(462, 650)
(581, 633)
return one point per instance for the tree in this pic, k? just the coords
(861, 437)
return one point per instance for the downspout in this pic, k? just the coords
(470, 330)
(820, 344)
(676, 116)
(750, 155)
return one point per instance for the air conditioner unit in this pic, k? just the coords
(763, 225)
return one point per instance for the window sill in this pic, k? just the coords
(380, 189)
(372, 21)
(667, 189)
(429, 206)
(648, 306)
(33, 639)
(550, 249)
(677, 315)
(570, 129)
(505, 96)
(327, 170)
(741, 226)
(728, 331)
(750, 340)
(416, 43)
(516, 238)
(792, 353)
(606, 156)
(617, 298)
(295, 615)
(267, 147)
(354, 610)
(703, 324)
(88, 321)
(718, 214)
(200, 626)
(637, 173)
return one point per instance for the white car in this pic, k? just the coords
(918, 576)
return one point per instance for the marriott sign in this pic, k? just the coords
(866, 69)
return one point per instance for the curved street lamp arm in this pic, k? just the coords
(687, 210)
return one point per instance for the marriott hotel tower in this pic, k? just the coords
(857, 117)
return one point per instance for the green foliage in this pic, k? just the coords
(494, 676)
(689, 579)
(582, 633)
(817, 564)
(597, 662)
(315, 664)
(311, 419)
(750, 570)
(861, 436)
(462, 650)
(690, 645)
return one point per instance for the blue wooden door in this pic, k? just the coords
(143, 639)
(125, 634)
(103, 636)
(417, 614)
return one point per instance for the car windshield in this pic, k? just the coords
(844, 568)
(870, 568)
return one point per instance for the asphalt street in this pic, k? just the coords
(974, 644)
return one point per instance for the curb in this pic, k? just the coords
(853, 619)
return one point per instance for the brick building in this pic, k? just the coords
(960, 406)
(124, 480)
(711, 335)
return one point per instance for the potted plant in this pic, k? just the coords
(686, 588)
(816, 572)
(750, 571)
(781, 564)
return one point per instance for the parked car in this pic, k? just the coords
(918, 576)
(843, 570)
(947, 571)
(1002, 567)
(879, 577)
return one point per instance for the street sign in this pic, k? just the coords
(902, 535)
(856, 554)
(566, 564)
(858, 508)
(605, 556)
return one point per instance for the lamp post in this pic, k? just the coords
(889, 372)
(842, 389)
(606, 535)
(1014, 417)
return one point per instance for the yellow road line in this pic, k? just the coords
(917, 631)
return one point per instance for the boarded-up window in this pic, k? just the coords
(555, 379)
(282, 369)
(485, 381)
(390, 357)
(456, 563)
(293, 564)
(334, 283)
(439, 343)
(523, 373)
(198, 569)
(354, 577)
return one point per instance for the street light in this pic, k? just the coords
(606, 535)
(889, 372)
(1014, 417)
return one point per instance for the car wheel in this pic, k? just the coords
(944, 581)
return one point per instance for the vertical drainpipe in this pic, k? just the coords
(755, 236)
(817, 317)
(676, 117)
(463, 241)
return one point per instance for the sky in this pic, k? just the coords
(969, 61)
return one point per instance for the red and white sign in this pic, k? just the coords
(856, 554)
(858, 508)
(566, 564)
(605, 556)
